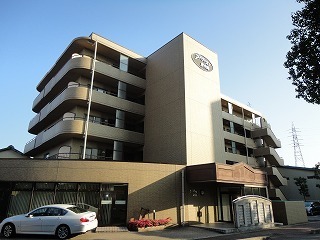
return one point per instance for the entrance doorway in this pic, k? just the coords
(113, 210)
(225, 197)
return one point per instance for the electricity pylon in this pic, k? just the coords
(296, 146)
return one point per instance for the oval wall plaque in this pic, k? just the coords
(202, 62)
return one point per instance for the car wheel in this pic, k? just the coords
(63, 232)
(8, 230)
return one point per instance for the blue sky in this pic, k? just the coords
(249, 37)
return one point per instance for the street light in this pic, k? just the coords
(89, 103)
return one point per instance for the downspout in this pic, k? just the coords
(89, 101)
(182, 197)
(245, 136)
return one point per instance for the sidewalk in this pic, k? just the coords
(299, 231)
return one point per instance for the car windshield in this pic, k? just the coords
(76, 209)
(307, 204)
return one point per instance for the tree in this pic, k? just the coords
(317, 171)
(303, 187)
(303, 60)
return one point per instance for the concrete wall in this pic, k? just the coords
(291, 191)
(289, 212)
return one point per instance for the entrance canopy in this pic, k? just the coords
(239, 173)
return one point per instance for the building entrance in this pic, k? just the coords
(225, 197)
(113, 210)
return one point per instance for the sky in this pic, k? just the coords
(249, 37)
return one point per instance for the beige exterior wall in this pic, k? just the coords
(9, 153)
(203, 107)
(165, 133)
(289, 212)
(153, 186)
(183, 121)
(200, 203)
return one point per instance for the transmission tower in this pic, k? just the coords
(296, 146)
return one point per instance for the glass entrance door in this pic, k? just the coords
(226, 195)
(226, 208)
(106, 207)
(113, 210)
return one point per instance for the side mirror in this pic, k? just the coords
(29, 216)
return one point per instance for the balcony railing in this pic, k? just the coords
(75, 126)
(77, 156)
(79, 92)
(84, 62)
(267, 134)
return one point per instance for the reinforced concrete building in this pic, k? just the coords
(119, 132)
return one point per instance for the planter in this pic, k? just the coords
(145, 225)
(154, 228)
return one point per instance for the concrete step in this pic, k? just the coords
(112, 229)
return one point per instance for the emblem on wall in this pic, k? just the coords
(202, 62)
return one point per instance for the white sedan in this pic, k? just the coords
(61, 220)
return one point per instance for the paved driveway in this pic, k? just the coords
(298, 231)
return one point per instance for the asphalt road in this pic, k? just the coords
(298, 231)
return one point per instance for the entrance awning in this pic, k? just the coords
(239, 173)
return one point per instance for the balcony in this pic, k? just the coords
(276, 194)
(237, 119)
(78, 96)
(74, 128)
(275, 176)
(267, 135)
(82, 66)
(270, 155)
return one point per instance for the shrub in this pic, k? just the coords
(133, 224)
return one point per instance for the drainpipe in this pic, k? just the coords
(182, 197)
(245, 136)
(89, 103)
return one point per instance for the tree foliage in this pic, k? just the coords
(303, 60)
(303, 186)
(317, 171)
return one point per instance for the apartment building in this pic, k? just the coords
(119, 132)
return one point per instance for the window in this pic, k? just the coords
(230, 162)
(23, 186)
(64, 152)
(69, 116)
(255, 191)
(124, 60)
(56, 212)
(77, 209)
(39, 212)
(67, 186)
(91, 153)
(44, 186)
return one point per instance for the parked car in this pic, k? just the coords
(61, 220)
(312, 208)
(86, 207)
